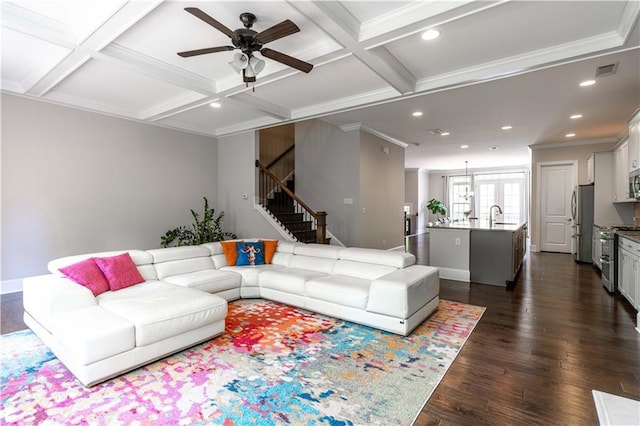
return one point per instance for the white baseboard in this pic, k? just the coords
(10, 286)
(455, 274)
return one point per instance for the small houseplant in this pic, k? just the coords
(437, 207)
(205, 230)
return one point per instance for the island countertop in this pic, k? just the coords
(480, 225)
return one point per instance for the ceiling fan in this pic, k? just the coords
(248, 42)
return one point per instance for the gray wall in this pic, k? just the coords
(77, 182)
(327, 172)
(381, 193)
(237, 176)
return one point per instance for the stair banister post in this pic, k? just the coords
(321, 228)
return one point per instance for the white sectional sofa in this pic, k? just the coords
(183, 300)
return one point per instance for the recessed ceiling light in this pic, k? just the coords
(445, 134)
(575, 116)
(464, 146)
(417, 114)
(506, 127)
(570, 135)
(430, 34)
(215, 105)
(587, 83)
(493, 148)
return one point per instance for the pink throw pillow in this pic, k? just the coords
(120, 271)
(87, 274)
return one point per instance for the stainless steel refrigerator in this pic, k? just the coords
(582, 216)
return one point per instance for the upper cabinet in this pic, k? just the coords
(634, 142)
(620, 187)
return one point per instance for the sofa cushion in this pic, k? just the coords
(209, 280)
(397, 259)
(168, 254)
(181, 260)
(340, 289)
(230, 251)
(318, 250)
(120, 271)
(367, 271)
(87, 274)
(310, 263)
(160, 310)
(142, 259)
(269, 249)
(250, 274)
(401, 293)
(288, 280)
(250, 253)
(92, 334)
(287, 246)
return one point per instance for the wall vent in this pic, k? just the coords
(435, 131)
(606, 70)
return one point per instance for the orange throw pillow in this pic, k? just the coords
(269, 249)
(230, 252)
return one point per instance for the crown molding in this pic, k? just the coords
(628, 19)
(384, 136)
(569, 144)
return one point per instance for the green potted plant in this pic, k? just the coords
(205, 230)
(437, 207)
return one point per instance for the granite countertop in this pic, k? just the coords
(632, 235)
(477, 225)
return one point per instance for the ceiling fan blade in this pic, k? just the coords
(196, 52)
(280, 30)
(287, 60)
(209, 20)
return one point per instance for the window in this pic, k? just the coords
(459, 199)
(507, 189)
(504, 189)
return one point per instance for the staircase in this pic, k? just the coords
(280, 200)
(281, 206)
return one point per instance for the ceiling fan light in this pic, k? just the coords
(256, 65)
(239, 62)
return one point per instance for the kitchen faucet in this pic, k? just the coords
(491, 214)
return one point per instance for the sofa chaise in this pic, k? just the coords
(183, 299)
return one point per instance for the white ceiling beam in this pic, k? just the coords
(518, 64)
(146, 65)
(628, 19)
(417, 17)
(121, 21)
(275, 111)
(338, 23)
(36, 25)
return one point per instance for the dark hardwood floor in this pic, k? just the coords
(540, 348)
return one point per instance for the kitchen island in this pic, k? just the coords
(474, 251)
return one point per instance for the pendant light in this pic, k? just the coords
(467, 194)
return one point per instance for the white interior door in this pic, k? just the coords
(557, 182)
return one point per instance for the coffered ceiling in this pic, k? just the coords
(496, 63)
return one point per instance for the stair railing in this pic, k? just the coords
(270, 186)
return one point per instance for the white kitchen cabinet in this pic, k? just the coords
(634, 142)
(620, 188)
(629, 270)
(591, 162)
(604, 210)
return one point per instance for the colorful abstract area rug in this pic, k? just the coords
(275, 364)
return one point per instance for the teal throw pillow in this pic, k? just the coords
(250, 253)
